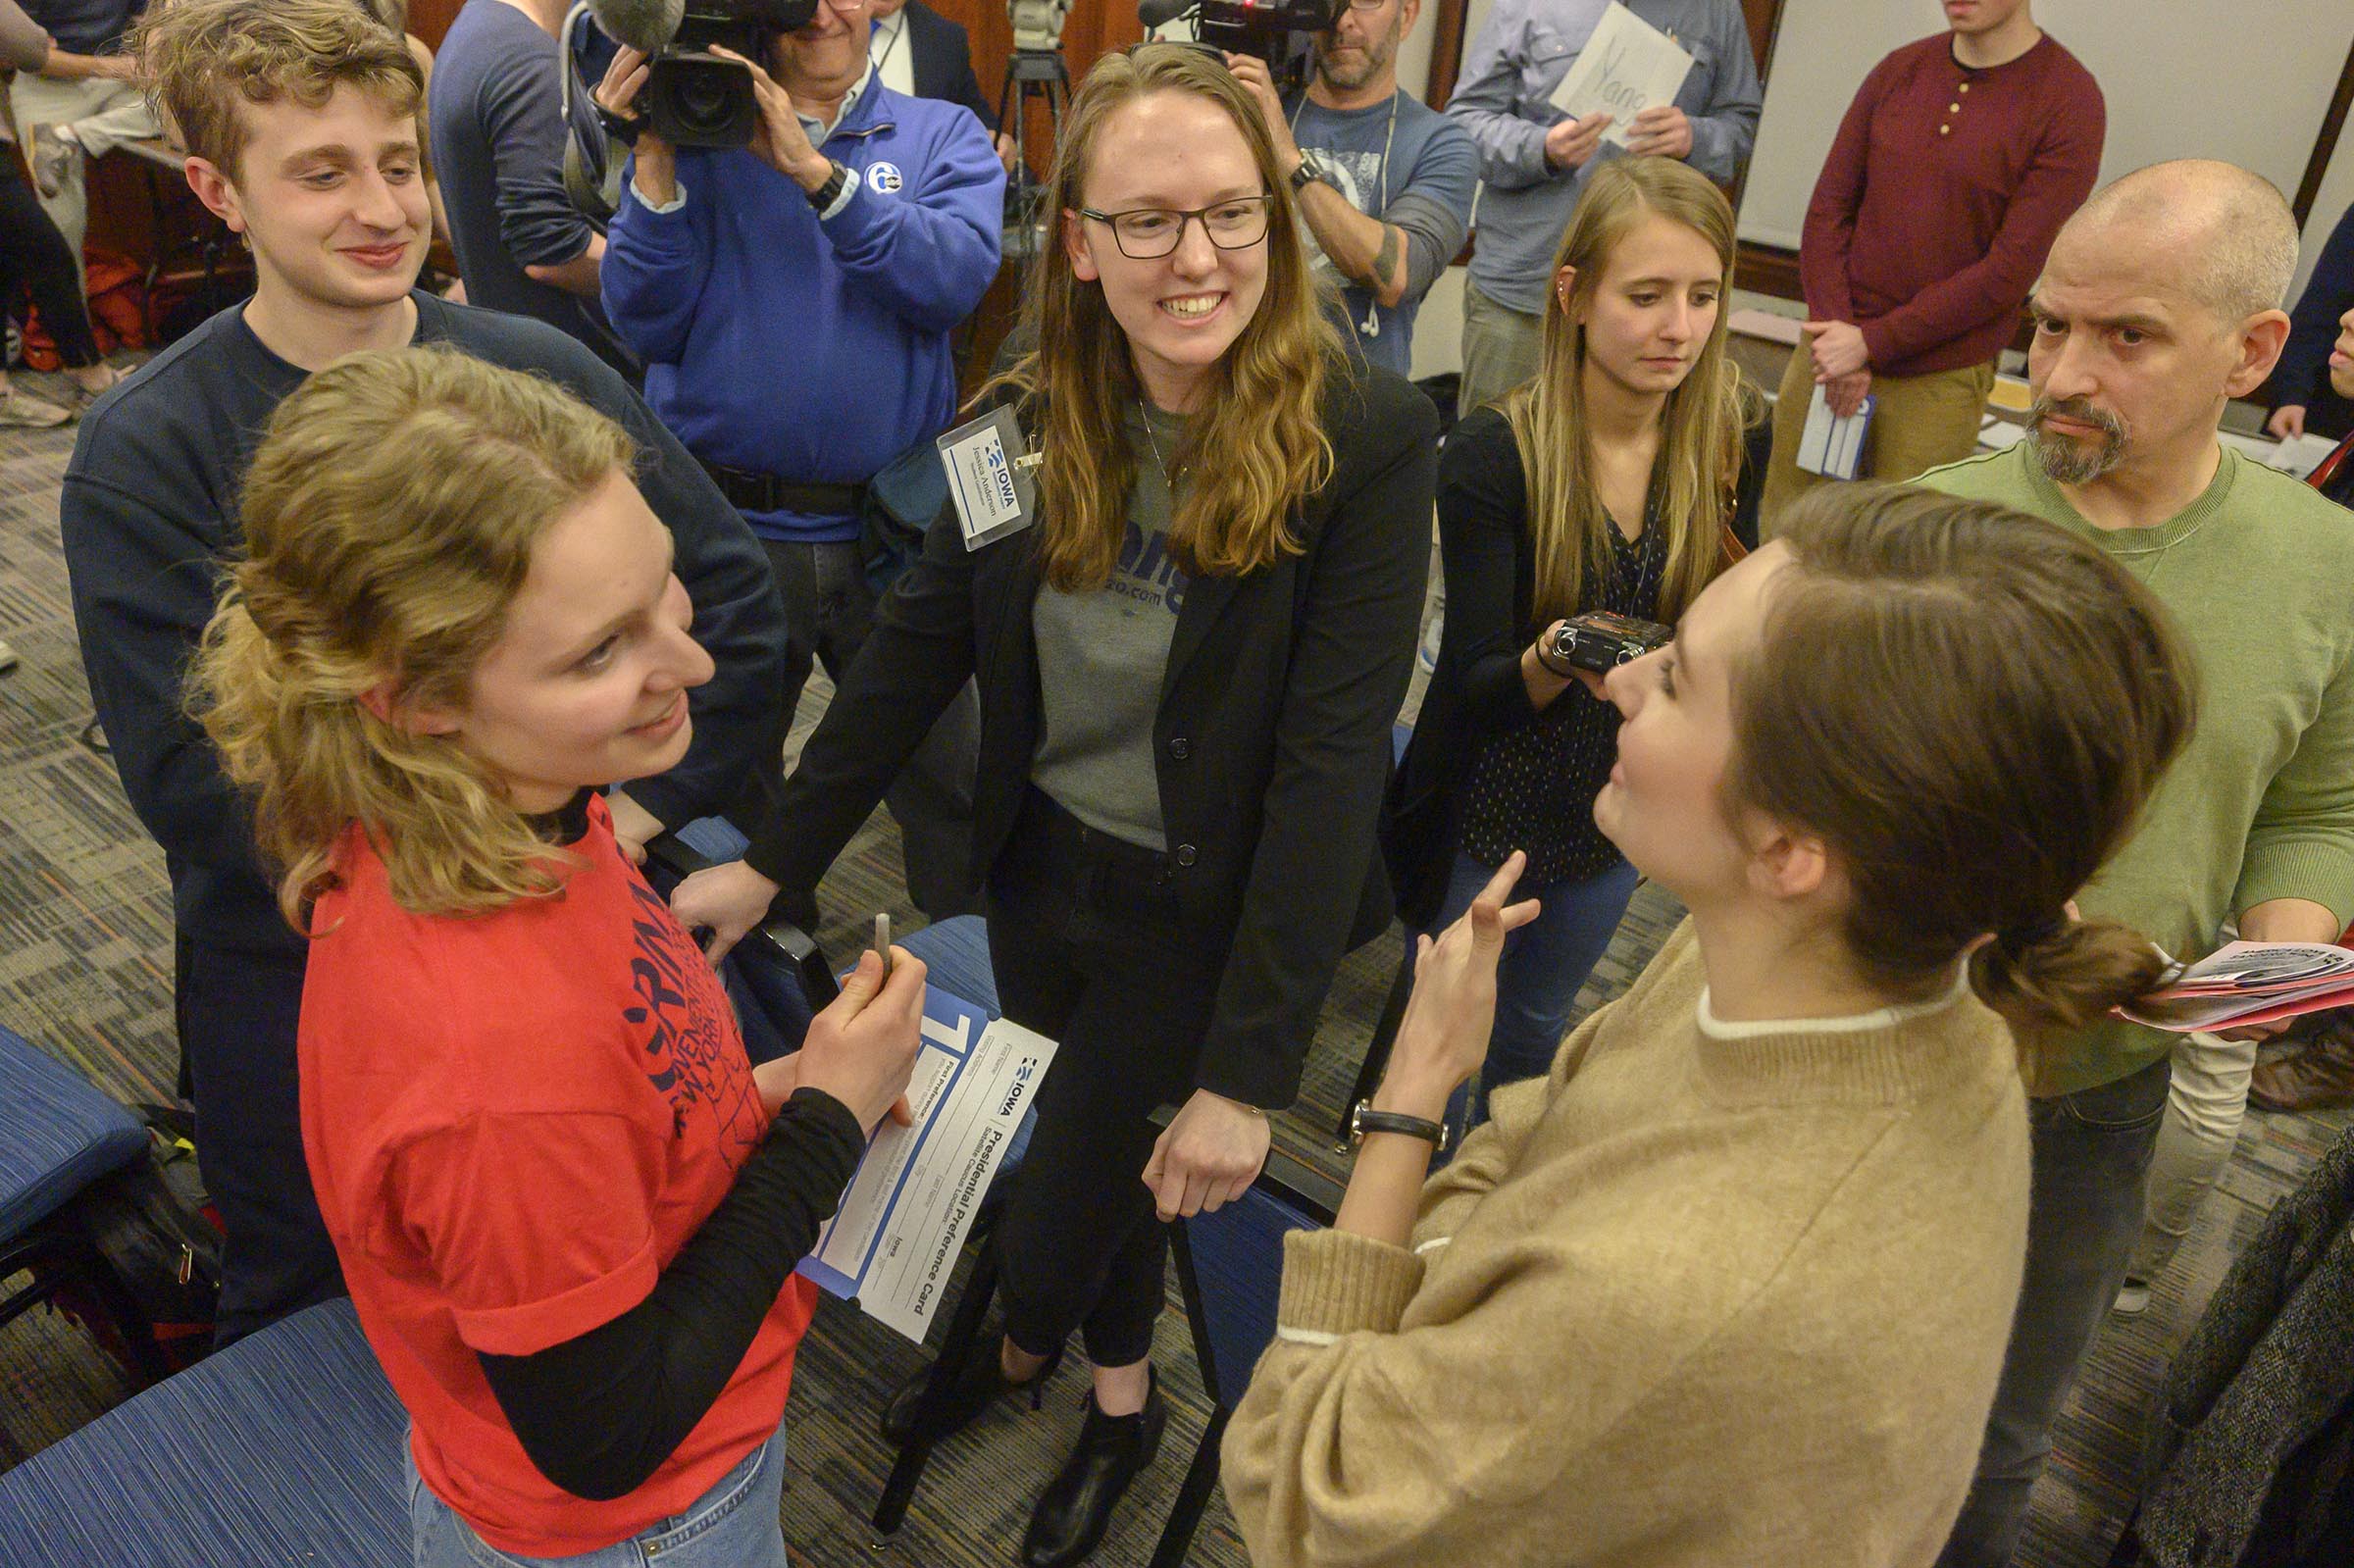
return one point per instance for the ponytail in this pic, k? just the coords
(2063, 976)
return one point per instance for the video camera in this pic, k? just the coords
(1282, 33)
(692, 97)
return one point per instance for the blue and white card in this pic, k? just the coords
(894, 1242)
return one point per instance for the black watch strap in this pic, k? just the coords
(1365, 1118)
(825, 195)
(1306, 175)
(623, 128)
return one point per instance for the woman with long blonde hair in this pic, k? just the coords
(1189, 656)
(1604, 483)
(567, 1205)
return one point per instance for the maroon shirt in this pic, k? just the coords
(1941, 196)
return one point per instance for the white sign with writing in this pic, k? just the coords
(1626, 67)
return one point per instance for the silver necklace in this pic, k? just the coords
(1161, 465)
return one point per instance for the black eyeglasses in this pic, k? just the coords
(1147, 234)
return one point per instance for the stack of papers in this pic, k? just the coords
(2296, 457)
(1830, 445)
(2250, 983)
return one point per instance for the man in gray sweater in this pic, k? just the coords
(1534, 158)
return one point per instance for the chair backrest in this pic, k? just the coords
(955, 955)
(58, 1134)
(776, 977)
(1230, 1268)
(285, 1447)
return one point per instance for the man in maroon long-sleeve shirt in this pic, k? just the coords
(1958, 161)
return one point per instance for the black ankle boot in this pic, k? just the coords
(1075, 1509)
(974, 1390)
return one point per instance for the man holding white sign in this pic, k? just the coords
(1535, 155)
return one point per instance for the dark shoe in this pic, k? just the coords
(1075, 1509)
(982, 1381)
(2319, 1078)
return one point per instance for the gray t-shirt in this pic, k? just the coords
(1102, 655)
(1418, 177)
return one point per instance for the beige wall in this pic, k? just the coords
(2213, 78)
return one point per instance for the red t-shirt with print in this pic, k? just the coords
(514, 1122)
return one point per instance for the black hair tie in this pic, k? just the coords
(2016, 940)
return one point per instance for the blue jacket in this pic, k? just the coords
(2303, 374)
(812, 349)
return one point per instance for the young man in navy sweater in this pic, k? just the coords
(793, 302)
(332, 202)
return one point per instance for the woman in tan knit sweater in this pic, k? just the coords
(1731, 1285)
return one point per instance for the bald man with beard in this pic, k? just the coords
(2160, 303)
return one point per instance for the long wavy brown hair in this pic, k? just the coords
(1700, 448)
(1256, 449)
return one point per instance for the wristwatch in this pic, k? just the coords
(1363, 1119)
(1306, 175)
(825, 195)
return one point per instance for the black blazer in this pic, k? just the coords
(940, 57)
(1490, 560)
(1273, 739)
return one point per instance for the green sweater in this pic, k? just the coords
(2259, 575)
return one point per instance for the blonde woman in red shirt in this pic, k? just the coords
(567, 1205)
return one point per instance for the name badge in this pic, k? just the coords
(988, 477)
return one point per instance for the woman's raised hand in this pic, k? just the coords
(1444, 1036)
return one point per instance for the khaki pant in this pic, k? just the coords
(1917, 422)
(104, 114)
(1501, 346)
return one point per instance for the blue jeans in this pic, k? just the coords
(1545, 963)
(2092, 1160)
(734, 1525)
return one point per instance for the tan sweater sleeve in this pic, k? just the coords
(1388, 1450)
(1494, 1146)
(1515, 1111)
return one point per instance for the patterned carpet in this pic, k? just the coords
(84, 969)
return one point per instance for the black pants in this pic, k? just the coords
(238, 1015)
(35, 256)
(1089, 949)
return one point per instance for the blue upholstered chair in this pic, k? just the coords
(283, 1449)
(58, 1134)
(1230, 1270)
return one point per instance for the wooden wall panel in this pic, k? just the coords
(430, 20)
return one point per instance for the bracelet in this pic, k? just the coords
(1566, 671)
(1365, 1119)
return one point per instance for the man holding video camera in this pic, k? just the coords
(792, 300)
(1384, 182)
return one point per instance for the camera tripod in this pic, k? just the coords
(1037, 74)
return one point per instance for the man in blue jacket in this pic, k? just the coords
(793, 302)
